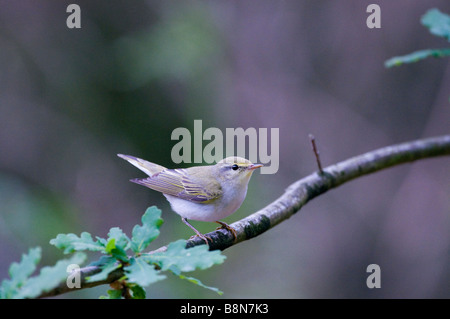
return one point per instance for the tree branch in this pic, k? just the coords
(298, 194)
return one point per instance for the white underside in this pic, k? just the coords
(209, 212)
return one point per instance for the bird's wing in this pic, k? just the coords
(177, 182)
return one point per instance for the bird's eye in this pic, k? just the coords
(234, 167)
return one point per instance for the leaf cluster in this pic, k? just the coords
(438, 24)
(120, 252)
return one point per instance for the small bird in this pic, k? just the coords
(204, 193)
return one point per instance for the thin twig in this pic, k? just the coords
(316, 152)
(298, 194)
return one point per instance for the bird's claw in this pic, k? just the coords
(229, 228)
(203, 237)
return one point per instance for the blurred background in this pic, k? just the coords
(71, 99)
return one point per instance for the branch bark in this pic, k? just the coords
(300, 193)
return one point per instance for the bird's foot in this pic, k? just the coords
(228, 227)
(203, 237)
(199, 234)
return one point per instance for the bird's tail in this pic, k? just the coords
(147, 167)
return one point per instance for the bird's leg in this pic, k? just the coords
(199, 234)
(227, 227)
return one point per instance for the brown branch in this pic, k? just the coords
(316, 152)
(298, 194)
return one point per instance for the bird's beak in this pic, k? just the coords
(251, 167)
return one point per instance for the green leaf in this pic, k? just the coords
(49, 277)
(437, 22)
(117, 244)
(121, 240)
(71, 243)
(112, 294)
(107, 265)
(193, 280)
(416, 56)
(116, 251)
(199, 283)
(101, 241)
(19, 273)
(185, 259)
(138, 292)
(110, 245)
(145, 234)
(141, 273)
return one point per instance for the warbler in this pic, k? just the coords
(203, 193)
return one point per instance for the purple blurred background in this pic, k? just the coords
(70, 99)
